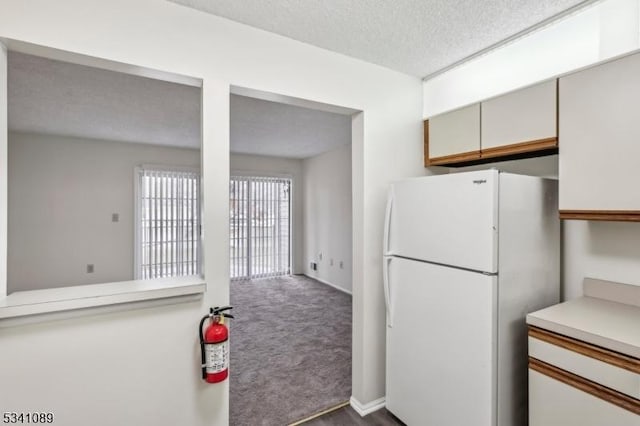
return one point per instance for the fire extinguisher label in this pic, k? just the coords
(217, 357)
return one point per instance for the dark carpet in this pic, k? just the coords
(290, 350)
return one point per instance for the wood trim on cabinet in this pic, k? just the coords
(454, 159)
(520, 147)
(557, 109)
(427, 162)
(446, 160)
(614, 215)
(596, 352)
(601, 392)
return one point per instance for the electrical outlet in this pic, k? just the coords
(115, 217)
(313, 266)
(341, 264)
(320, 256)
(331, 262)
(90, 268)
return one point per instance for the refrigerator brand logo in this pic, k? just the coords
(479, 181)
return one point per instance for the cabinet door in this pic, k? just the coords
(553, 403)
(454, 136)
(600, 142)
(520, 121)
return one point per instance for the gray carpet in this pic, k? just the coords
(290, 350)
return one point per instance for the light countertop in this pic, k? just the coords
(613, 324)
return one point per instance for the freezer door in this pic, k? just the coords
(448, 219)
(441, 348)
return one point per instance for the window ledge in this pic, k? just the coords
(27, 303)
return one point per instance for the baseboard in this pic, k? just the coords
(329, 284)
(320, 414)
(364, 409)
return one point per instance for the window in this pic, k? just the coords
(259, 226)
(168, 223)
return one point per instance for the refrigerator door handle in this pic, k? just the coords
(387, 289)
(387, 224)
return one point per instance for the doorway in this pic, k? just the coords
(290, 250)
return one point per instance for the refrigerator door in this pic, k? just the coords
(441, 348)
(448, 219)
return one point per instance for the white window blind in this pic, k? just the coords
(168, 223)
(260, 225)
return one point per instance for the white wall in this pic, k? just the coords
(3, 168)
(155, 381)
(327, 216)
(258, 165)
(62, 193)
(604, 250)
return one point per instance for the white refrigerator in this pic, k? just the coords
(466, 257)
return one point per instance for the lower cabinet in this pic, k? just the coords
(572, 382)
(554, 403)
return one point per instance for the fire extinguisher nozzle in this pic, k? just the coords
(219, 310)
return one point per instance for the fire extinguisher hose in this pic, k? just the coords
(201, 334)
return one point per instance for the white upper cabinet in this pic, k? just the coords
(520, 121)
(599, 167)
(454, 136)
(523, 122)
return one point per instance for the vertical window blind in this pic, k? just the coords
(260, 226)
(168, 237)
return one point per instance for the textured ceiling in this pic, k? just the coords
(269, 128)
(417, 37)
(53, 97)
(59, 98)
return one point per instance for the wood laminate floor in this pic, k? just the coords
(346, 416)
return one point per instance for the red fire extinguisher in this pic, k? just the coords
(214, 345)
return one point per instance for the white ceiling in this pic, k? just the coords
(417, 37)
(53, 97)
(269, 128)
(60, 98)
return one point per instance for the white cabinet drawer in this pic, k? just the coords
(614, 377)
(554, 403)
